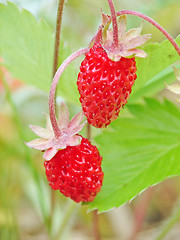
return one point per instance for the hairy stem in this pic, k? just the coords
(89, 132)
(140, 212)
(114, 23)
(96, 231)
(57, 38)
(155, 24)
(97, 37)
(56, 129)
(55, 65)
(95, 217)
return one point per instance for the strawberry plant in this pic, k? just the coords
(129, 140)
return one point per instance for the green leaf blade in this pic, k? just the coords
(152, 72)
(138, 152)
(23, 46)
(27, 49)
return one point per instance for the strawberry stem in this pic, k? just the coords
(97, 37)
(55, 65)
(57, 38)
(96, 225)
(155, 24)
(56, 129)
(114, 23)
(95, 217)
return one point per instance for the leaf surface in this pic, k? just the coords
(27, 49)
(152, 70)
(138, 152)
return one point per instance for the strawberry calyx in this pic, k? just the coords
(175, 87)
(50, 143)
(128, 42)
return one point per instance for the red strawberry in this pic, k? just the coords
(72, 164)
(104, 85)
(76, 172)
(108, 72)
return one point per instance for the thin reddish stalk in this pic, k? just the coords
(97, 37)
(155, 24)
(114, 23)
(55, 81)
(141, 211)
(95, 217)
(96, 225)
(57, 38)
(55, 65)
(89, 132)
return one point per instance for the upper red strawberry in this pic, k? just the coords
(76, 171)
(104, 85)
(108, 72)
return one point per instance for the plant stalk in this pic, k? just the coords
(56, 129)
(114, 23)
(58, 31)
(140, 212)
(97, 37)
(155, 24)
(89, 137)
(96, 231)
(55, 65)
(95, 217)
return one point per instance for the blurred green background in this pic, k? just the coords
(25, 197)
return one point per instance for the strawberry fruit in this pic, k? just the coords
(76, 171)
(104, 85)
(72, 164)
(108, 71)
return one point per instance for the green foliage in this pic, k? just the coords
(138, 152)
(150, 70)
(26, 46)
(27, 49)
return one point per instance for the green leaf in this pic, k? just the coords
(138, 152)
(26, 46)
(155, 85)
(27, 49)
(150, 74)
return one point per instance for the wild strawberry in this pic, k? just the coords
(104, 85)
(72, 164)
(106, 74)
(76, 171)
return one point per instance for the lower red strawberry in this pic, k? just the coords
(76, 171)
(104, 85)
